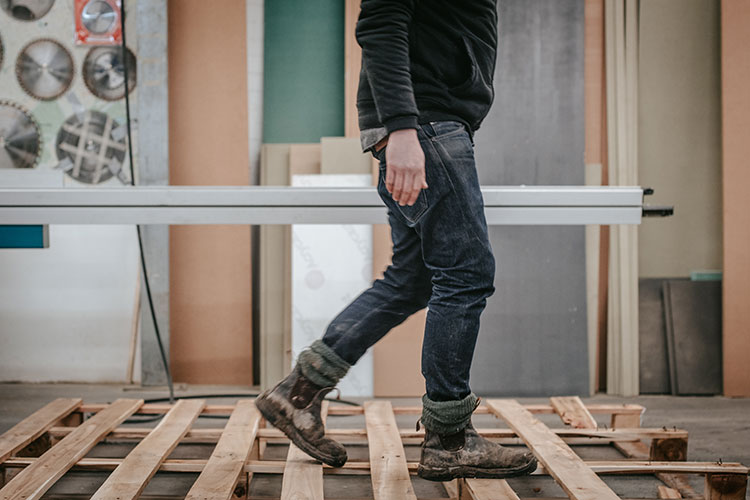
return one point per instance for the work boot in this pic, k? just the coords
(293, 407)
(467, 454)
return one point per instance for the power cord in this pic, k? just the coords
(146, 282)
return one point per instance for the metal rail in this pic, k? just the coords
(504, 205)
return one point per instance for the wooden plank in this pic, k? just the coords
(34, 480)
(132, 475)
(573, 412)
(390, 473)
(363, 468)
(223, 469)
(665, 492)
(303, 475)
(33, 426)
(639, 450)
(725, 487)
(570, 472)
(226, 409)
(489, 489)
(504, 436)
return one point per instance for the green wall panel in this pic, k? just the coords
(303, 70)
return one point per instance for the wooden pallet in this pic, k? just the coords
(54, 440)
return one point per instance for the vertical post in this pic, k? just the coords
(735, 38)
(725, 487)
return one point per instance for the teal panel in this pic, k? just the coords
(303, 75)
(23, 237)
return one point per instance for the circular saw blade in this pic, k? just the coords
(104, 72)
(44, 69)
(98, 17)
(20, 137)
(92, 145)
(27, 10)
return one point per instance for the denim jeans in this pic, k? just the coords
(442, 259)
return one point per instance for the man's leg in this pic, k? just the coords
(404, 289)
(449, 219)
(294, 404)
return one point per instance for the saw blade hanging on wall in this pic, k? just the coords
(26, 10)
(92, 144)
(104, 72)
(20, 137)
(44, 69)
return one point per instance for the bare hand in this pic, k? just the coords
(404, 158)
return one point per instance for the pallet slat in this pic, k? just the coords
(573, 412)
(665, 493)
(222, 471)
(390, 473)
(569, 434)
(489, 489)
(570, 472)
(130, 478)
(363, 468)
(303, 475)
(33, 426)
(34, 480)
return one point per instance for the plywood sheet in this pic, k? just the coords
(735, 67)
(275, 265)
(343, 155)
(210, 268)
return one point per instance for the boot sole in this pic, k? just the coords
(285, 425)
(463, 471)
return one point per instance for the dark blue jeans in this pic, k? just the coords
(442, 259)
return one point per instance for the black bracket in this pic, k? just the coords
(655, 210)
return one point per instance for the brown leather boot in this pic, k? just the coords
(293, 407)
(467, 454)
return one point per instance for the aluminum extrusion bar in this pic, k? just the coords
(504, 205)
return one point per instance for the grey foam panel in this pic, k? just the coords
(533, 339)
(652, 338)
(693, 324)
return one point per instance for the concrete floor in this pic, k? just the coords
(719, 428)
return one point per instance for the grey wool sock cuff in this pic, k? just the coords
(321, 365)
(448, 417)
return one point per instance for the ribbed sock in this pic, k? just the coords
(448, 417)
(321, 365)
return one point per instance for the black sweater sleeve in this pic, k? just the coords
(383, 33)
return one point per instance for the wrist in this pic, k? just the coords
(404, 133)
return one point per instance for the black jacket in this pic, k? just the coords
(426, 60)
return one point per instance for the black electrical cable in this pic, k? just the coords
(162, 352)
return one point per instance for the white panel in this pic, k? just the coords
(66, 311)
(331, 265)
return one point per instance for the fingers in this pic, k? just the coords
(398, 186)
(415, 188)
(390, 177)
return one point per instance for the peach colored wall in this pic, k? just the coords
(210, 285)
(735, 40)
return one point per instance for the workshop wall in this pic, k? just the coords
(66, 312)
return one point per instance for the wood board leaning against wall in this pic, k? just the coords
(210, 281)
